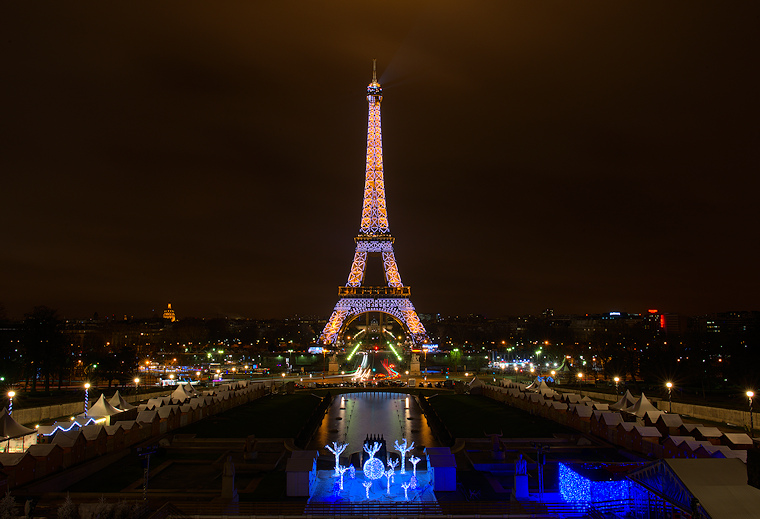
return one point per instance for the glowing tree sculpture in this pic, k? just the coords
(374, 240)
(406, 486)
(367, 485)
(337, 449)
(341, 470)
(415, 460)
(392, 464)
(373, 467)
(403, 449)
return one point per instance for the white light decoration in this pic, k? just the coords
(406, 486)
(415, 460)
(373, 467)
(374, 239)
(341, 470)
(337, 449)
(392, 464)
(367, 485)
(388, 475)
(403, 449)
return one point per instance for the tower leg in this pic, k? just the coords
(334, 324)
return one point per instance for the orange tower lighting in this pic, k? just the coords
(374, 239)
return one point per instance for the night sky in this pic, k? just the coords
(581, 156)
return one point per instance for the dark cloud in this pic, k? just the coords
(582, 157)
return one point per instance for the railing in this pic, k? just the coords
(389, 510)
(374, 291)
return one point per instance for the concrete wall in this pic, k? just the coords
(713, 414)
(35, 415)
(697, 412)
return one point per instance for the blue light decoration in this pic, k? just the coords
(578, 489)
(70, 427)
(373, 468)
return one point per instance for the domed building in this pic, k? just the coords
(169, 313)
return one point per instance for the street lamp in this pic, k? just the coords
(580, 379)
(11, 394)
(669, 385)
(617, 381)
(137, 385)
(750, 394)
(86, 397)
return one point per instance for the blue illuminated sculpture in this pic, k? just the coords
(373, 467)
(406, 486)
(403, 449)
(337, 449)
(576, 488)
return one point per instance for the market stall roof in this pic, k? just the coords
(720, 485)
(10, 428)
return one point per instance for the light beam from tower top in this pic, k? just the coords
(374, 212)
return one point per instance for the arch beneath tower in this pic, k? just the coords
(350, 308)
(372, 324)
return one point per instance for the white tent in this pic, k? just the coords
(641, 407)
(15, 437)
(118, 402)
(102, 408)
(626, 400)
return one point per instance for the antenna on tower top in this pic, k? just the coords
(374, 71)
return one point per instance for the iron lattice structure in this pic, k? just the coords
(374, 239)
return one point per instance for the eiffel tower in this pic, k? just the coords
(374, 240)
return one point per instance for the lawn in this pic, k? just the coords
(471, 416)
(276, 416)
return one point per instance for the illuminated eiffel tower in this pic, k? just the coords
(374, 240)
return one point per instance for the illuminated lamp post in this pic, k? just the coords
(137, 386)
(580, 379)
(751, 394)
(554, 380)
(86, 398)
(617, 381)
(11, 394)
(669, 385)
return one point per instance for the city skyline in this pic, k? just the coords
(582, 158)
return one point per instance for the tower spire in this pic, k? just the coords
(374, 214)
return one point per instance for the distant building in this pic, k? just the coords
(169, 313)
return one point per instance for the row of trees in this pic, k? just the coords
(37, 351)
